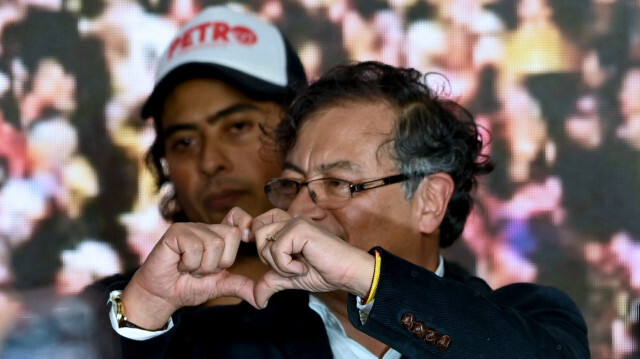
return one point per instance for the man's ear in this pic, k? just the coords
(433, 196)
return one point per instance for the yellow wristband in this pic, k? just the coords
(374, 282)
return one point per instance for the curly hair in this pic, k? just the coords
(431, 134)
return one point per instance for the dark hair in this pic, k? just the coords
(431, 134)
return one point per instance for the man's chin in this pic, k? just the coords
(215, 215)
(208, 216)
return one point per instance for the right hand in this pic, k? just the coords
(187, 267)
(307, 256)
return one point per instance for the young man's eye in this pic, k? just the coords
(240, 126)
(181, 144)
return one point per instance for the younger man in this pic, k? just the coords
(224, 78)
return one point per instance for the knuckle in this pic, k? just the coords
(225, 262)
(216, 242)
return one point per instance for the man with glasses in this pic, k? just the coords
(377, 175)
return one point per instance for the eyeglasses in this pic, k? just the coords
(327, 193)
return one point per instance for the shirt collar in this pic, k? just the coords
(440, 270)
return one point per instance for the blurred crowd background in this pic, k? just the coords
(556, 82)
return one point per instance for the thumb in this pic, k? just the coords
(236, 285)
(270, 284)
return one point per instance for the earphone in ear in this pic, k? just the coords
(165, 166)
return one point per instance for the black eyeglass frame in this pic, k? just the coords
(353, 187)
(364, 186)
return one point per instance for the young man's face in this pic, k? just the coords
(212, 138)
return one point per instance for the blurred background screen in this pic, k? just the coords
(556, 82)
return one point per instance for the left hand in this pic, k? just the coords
(307, 256)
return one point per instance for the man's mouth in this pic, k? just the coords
(224, 199)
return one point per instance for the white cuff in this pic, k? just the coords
(364, 309)
(132, 333)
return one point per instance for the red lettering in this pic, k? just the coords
(187, 39)
(220, 30)
(203, 31)
(244, 35)
(173, 47)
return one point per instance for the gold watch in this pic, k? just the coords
(121, 318)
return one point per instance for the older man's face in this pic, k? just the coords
(344, 142)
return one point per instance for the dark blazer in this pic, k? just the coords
(415, 312)
(516, 321)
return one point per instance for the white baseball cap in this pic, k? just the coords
(235, 47)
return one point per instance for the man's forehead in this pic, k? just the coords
(350, 121)
(209, 100)
(325, 167)
(349, 137)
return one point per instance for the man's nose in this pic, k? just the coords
(303, 205)
(215, 158)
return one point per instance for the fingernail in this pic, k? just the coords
(265, 304)
(245, 235)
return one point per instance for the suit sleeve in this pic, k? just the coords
(466, 319)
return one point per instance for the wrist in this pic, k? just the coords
(121, 319)
(143, 310)
(364, 276)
